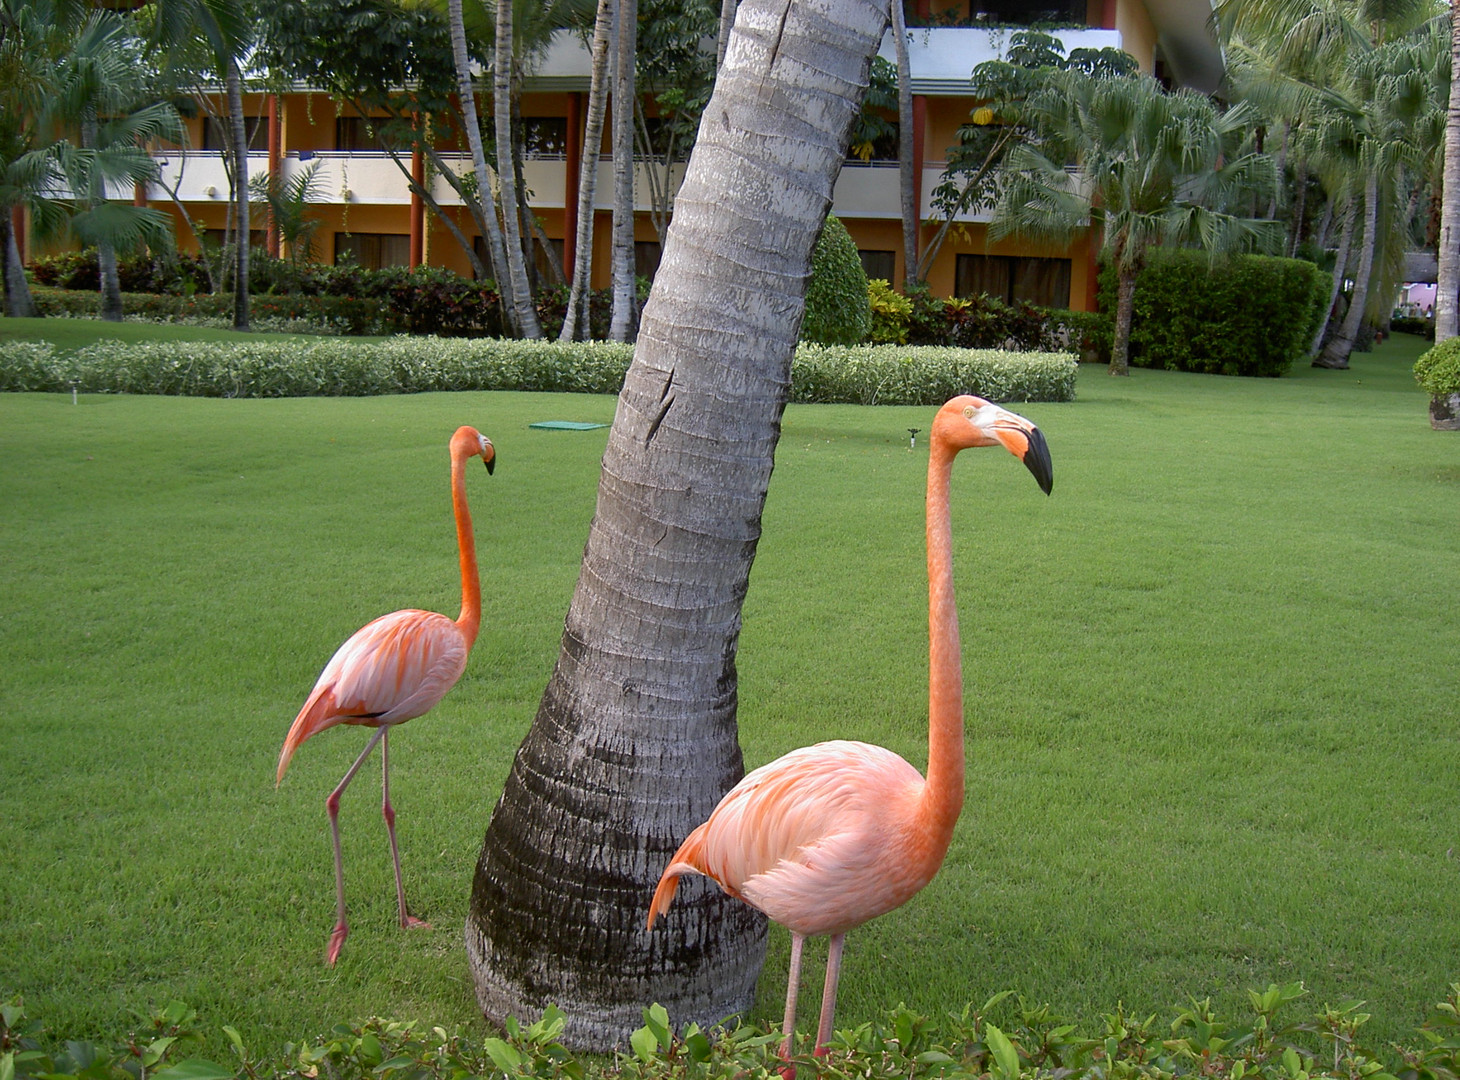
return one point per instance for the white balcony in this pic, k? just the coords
(942, 58)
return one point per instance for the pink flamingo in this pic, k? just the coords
(833, 835)
(391, 670)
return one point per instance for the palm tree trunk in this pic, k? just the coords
(233, 85)
(486, 209)
(575, 321)
(1447, 289)
(524, 314)
(635, 739)
(626, 24)
(907, 182)
(1125, 296)
(111, 286)
(1336, 353)
(727, 23)
(1340, 263)
(19, 304)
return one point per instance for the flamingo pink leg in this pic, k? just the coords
(793, 987)
(407, 920)
(828, 993)
(332, 804)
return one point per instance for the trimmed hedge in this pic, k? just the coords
(1249, 315)
(887, 375)
(927, 375)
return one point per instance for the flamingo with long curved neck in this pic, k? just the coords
(392, 670)
(833, 835)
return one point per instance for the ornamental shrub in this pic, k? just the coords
(890, 311)
(1249, 315)
(332, 366)
(1438, 369)
(837, 309)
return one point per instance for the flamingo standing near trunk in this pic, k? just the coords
(833, 835)
(392, 670)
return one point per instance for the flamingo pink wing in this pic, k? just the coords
(816, 839)
(390, 670)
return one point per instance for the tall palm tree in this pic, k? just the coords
(1343, 73)
(482, 192)
(225, 28)
(102, 88)
(1149, 168)
(1447, 289)
(625, 300)
(524, 312)
(31, 39)
(634, 741)
(575, 319)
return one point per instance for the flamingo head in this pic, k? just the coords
(468, 442)
(967, 421)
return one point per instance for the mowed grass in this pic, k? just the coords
(1211, 710)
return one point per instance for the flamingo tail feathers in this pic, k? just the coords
(689, 859)
(319, 712)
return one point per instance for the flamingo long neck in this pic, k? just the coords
(942, 797)
(471, 587)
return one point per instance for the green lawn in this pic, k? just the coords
(1213, 739)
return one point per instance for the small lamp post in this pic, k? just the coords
(912, 436)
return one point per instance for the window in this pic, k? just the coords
(646, 258)
(878, 264)
(215, 132)
(882, 147)
(1068, 12)
(373, 250)
(354, 133)
(544, 136)
(1010, 278)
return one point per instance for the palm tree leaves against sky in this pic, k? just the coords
(1143, 166)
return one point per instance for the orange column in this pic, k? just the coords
(572, 167)
(418, 209)
(276, 166)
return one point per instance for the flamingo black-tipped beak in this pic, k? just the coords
(491, 462)
(1036, 459)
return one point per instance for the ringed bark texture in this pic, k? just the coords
(635, 738)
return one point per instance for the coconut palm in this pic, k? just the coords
(225, 28)
(1141, 166)
(1361, 83)
(642, 700)
(1447, 289)
(102, 89)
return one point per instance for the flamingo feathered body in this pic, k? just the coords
(391, 670)
(831, 836)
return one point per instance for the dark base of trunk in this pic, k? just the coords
(1445, 413)
(1331, 364)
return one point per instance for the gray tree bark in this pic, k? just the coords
(1336, 353)
(19, 304)
(233, 85)
(626, 33)
(487, 209)
(635, 738)
(524, 313)
(907, 181)
(575, 320)
(1447, 289)
(1340, 263)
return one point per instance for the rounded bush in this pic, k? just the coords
(837, 309)
(1438, 369)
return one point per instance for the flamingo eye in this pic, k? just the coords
(968, 412)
